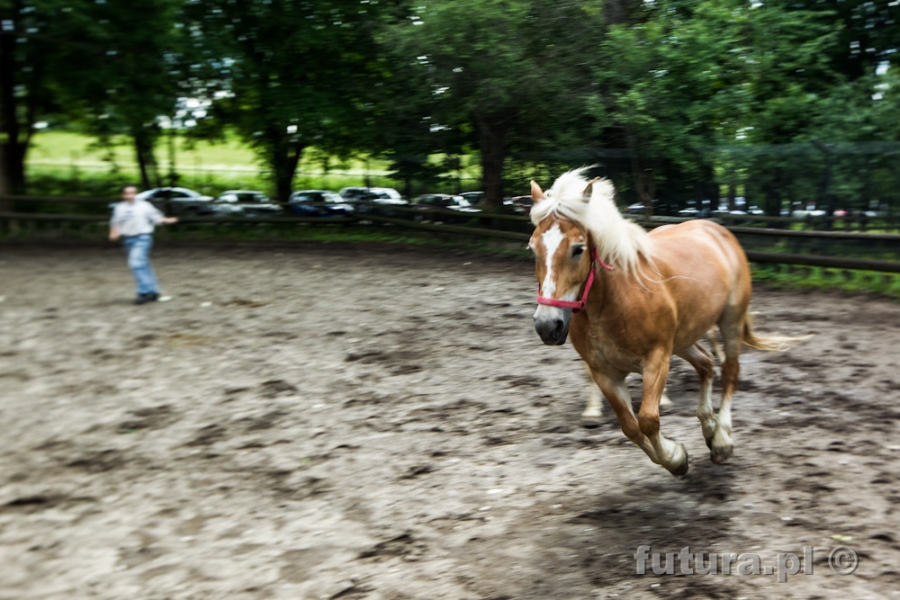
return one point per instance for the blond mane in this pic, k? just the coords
(619, 242)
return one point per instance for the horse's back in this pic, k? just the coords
(692, 247)
(705, 271)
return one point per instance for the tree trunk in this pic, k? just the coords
(644, 178)
(284, 165)
(492, 143)
(618, 12)
(142, 164)
(5, 205)
(14, 150)
(732, 192)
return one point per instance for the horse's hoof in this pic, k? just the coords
(720, 455)
(682, 469)
(590, 422)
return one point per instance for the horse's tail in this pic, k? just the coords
(768, 343)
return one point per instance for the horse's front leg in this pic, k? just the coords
(593, 410)
(616, 391)
(592, 415)
(668, 453)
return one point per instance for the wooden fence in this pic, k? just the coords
(496, 226)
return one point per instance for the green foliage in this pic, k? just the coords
(675, 98)
(492, 76)
(290, 74)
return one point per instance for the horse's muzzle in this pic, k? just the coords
(553, 331)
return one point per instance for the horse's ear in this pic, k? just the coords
(537, 194)
(589, 190)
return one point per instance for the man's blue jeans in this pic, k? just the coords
(138, 248)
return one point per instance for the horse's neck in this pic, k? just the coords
(613, 289)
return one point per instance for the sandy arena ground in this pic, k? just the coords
(359, 421)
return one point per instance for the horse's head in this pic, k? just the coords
(563, 266)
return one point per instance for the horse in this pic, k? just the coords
(629, 300)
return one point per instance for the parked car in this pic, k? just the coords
(245, 203)
(474, 198)
(318, 203)
(374, 200)
(445, 201)
(372, 194)
(520, 205)
(637, 208)
(177, 200)
(457, 204)
(810, 211)
(703, 211)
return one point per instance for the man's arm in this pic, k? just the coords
(160, 219)
(113, 233)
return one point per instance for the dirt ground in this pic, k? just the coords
(361, 421)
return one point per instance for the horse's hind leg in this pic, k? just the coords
(732, 336)
(702, 362)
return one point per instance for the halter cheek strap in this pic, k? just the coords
(580, 304)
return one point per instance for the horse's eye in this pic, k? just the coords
(577, 250)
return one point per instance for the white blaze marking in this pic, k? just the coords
(551, 239)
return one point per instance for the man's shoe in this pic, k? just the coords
(152, 297)
(142, 299)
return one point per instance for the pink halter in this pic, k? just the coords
(579, 305)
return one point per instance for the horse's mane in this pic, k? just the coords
(619, 241)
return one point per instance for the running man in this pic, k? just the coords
(133, 220)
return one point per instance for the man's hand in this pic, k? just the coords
(169, 221)
(114, 234)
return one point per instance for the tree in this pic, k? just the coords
(124, 72)
(108, 67)
(690, 76)
(293, 74)
(27, 42)
(499, 75)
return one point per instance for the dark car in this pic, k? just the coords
(474, 198)
(520, 205)
(318, 203)
(445, 202)
(374, 200)
(377, 195)
(703, 210)
(177, 201)
(245, 203)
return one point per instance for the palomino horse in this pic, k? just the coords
(630, 299)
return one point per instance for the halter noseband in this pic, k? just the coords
(580, 304)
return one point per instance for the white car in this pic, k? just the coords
(245, 203)
(379, 195)
(177, 200)
(811, 211)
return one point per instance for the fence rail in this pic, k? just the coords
(366, 215)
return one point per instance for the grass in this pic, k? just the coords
(824, 278)
(77, 182)
(77, 163)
